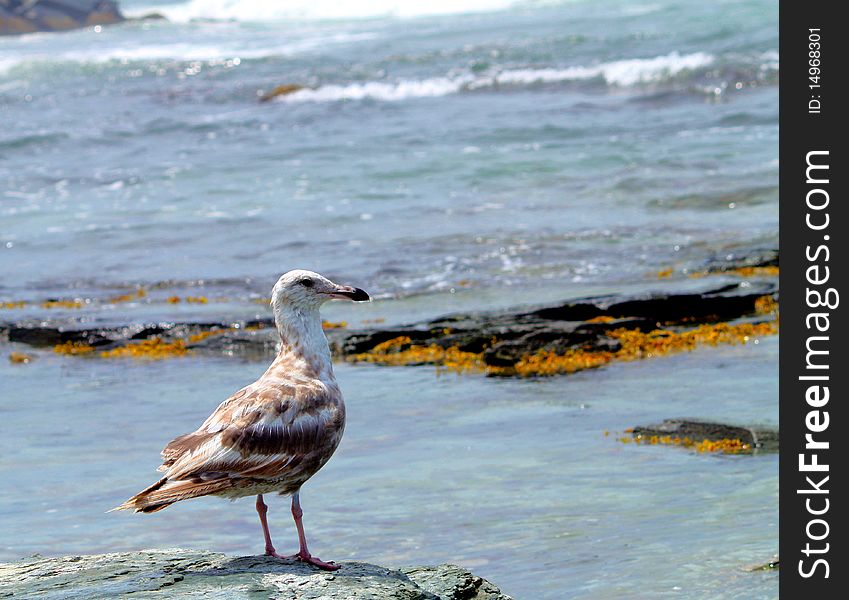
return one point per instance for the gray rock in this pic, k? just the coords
(453, 582)
(197, 574)
(27, 16)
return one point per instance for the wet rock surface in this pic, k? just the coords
(751, 257)
(188, 573)
(504, 338)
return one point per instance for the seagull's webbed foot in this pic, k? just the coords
(304, 557)
(273, 552)
(317, 562)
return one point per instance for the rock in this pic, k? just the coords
(500, 339)
(718, 305)
(247, 344)
(772, 565)
(153, 16)
(27, 16)
(498, 343)
(13, 23)
(760, 439)
(504, 338)
(19, 358)
(748, 257)
(280, 90)
(183, 573)
(50, 336)
(450, 581)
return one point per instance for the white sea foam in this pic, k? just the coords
(378, 90)
(144, 53)
(618, 73)
(181, 51)
(265, 10)
(195, 51)
(770, 60)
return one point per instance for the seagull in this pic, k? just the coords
(274, 434)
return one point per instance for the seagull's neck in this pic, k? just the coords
(303, 343)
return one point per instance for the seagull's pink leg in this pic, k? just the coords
(303, 553)
(262, 509)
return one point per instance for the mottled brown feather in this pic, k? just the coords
(266, 434)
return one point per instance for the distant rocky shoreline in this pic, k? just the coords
(30, 16)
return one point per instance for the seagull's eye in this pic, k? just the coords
(306, 282)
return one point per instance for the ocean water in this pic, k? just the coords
(545, 145)
(444, 156)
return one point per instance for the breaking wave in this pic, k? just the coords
(621, 73)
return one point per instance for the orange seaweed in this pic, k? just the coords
(73, 348)
(19, 358)
(725, 445)
(634, 345)
(153, 349)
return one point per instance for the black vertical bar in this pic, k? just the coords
(813, 230)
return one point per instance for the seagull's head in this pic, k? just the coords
(307, 290)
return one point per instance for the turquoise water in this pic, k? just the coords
(515, 479)
(470, 155)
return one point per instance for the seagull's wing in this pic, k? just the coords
(220, 419)
(261, 432)
(266, 432)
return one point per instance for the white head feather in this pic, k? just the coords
(295, 300)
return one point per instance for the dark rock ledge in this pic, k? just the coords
(197, 574)
(505, 337)
(500, 338)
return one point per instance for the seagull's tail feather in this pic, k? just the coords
(166, 492)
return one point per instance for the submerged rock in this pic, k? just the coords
(280, 90)
(28, 16)
(189, 573)
(772, 565)
(759, 439)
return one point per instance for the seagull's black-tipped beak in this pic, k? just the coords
(351, 293)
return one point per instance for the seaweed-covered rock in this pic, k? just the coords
(585, 333)
(503, 339)
(189, 573)
(757, 438)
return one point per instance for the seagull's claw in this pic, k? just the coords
(317, 562)
(306, 558)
